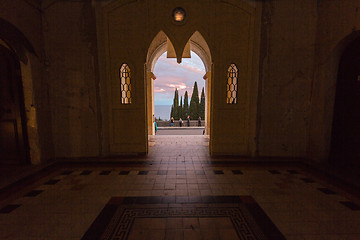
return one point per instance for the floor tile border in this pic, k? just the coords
(101, 223)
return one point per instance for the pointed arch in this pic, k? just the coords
(13, 40)
(345, 128)
(16, 40)
(232, 84)
(158, 46)
(199, 45)
(156, 49)
(125, 83)
(323, 97)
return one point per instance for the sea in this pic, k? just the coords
(163, 111)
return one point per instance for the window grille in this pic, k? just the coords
(231, 88)
(125, 84)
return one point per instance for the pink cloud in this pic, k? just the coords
(159, 90)
(170, 75)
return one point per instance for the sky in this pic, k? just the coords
(170, 75)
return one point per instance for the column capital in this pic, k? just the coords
(150, 75)
(207, 75)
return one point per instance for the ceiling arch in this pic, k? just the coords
(159, 45)
(16, 40)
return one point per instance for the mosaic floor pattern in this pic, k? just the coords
(207, 217)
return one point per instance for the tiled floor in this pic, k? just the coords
(64, 204)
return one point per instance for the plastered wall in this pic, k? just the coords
(70, 46)
(286, 73)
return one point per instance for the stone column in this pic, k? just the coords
(150, 77)
(207, 78)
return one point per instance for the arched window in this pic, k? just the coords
(125, 84)
(231, 88)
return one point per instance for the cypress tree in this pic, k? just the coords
(175, 106)
(172, 112)
(194, 103)
(202, 104)
(186, 106)
(181, 108)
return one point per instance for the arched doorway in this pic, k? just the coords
(160, 44)
(345, 139)
(14, 147)
(174, 96)
(137, 33)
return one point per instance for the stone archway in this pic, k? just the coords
(345, 138)
(160, 44)
(323, 99)
(17, 44)
(14, 146)
(126, 32)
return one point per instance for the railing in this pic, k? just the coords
(193, 123)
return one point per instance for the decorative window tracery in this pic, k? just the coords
(232, 84)
(125, 83)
